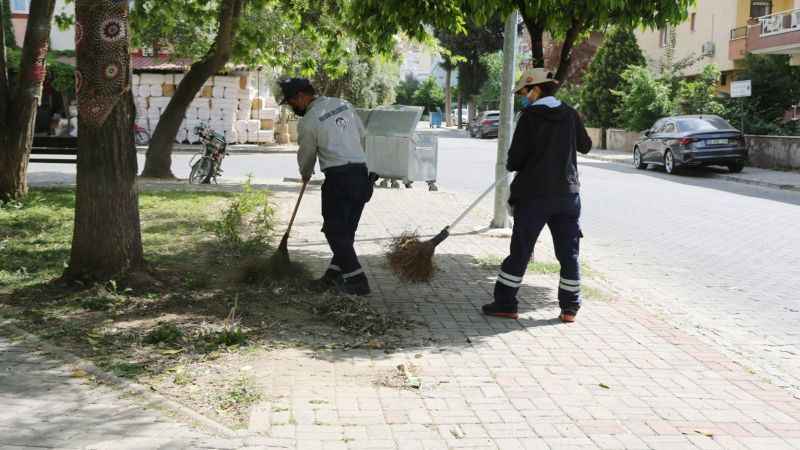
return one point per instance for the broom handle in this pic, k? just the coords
(478, 200)
(296, 207)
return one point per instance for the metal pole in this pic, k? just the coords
(505, 132)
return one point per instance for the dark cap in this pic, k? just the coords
(293, 86)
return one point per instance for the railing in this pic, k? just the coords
(739, 33)
(782, 22)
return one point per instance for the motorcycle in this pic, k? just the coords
(207, 165)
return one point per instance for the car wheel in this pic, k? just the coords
(481, 135)
(637, 159)
(669, 163)
(735, 167)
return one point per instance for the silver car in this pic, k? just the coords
(691, 141)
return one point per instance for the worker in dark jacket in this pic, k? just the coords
(545, 190)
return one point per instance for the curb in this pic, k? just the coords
(727, 177)
(152, 398)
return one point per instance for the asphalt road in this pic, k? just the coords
(718, 258)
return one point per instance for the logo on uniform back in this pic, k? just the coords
(341, 122)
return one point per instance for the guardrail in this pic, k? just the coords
(782, 22)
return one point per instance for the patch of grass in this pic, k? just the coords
(247, 224)
(238, 397)
(126, 369)
(543, 268)
(164, 333)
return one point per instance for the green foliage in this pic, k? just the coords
(618, 52)
(406, 90)
(573, 95)
(247, 223)
(489, 94)
(468, 49)
(429, 95)
(379, 20)
(164, 333)
(643, 99)
(775, 89)
(63, 75)
(8, 27)
(699, 95)
(367, 82)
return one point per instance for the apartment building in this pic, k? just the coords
(704, 38)
(766, 27)
(723, 32)
(59, 40)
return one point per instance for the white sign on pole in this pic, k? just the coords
(741, 89)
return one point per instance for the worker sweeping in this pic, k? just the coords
(330, 130)
(544, 191)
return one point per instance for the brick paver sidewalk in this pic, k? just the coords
(620, 378)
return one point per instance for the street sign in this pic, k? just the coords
(741, 89)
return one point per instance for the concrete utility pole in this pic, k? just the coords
(505, 133)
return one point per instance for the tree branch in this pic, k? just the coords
(536, 31)
(566, 49)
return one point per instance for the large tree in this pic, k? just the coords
(567, 20)
(18, 100)
(162, 17)
(107, 237)
(298, 37)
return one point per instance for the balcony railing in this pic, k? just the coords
(782, 22)
(739, 33)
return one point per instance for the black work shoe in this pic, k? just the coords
(358, 286)
(567, 316)
(329, 281)
(498, 310)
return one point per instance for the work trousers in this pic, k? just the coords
(561, 214)
(345, 191)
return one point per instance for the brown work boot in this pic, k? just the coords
(499, 310)
(567, 316)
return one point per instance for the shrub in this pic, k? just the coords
(643, 99)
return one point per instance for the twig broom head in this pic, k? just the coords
(411, 258)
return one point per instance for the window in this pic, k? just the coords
(723, 79)
(760, 8)
(691, 23)
(20, 6)
(669, 128)
(708, 123)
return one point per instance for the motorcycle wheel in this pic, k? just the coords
(201, 171)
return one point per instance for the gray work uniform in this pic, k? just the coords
(332, 132)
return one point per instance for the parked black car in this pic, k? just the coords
(485, 125)
(691, 141)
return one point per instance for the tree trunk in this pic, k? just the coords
(536, 30)
(107, 237)
(158, 162)
(566, 50)
(19, 126)
(448, 100)
(460, 109)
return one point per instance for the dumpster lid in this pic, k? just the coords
(394, 120)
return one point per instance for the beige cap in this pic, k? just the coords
(533, 76)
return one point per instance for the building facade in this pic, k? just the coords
(723, 32)
(59, 39)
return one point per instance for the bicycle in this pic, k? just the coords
(209, 165)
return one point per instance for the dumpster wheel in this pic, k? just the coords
(432, 186)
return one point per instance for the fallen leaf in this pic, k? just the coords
(171, 351)
(705, 433)
(79, 373)
(376, 344)
(604, 386)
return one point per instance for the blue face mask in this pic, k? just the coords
(526, 102)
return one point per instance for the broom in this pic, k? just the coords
(412, 259)
(278, 266)
(282, 255)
